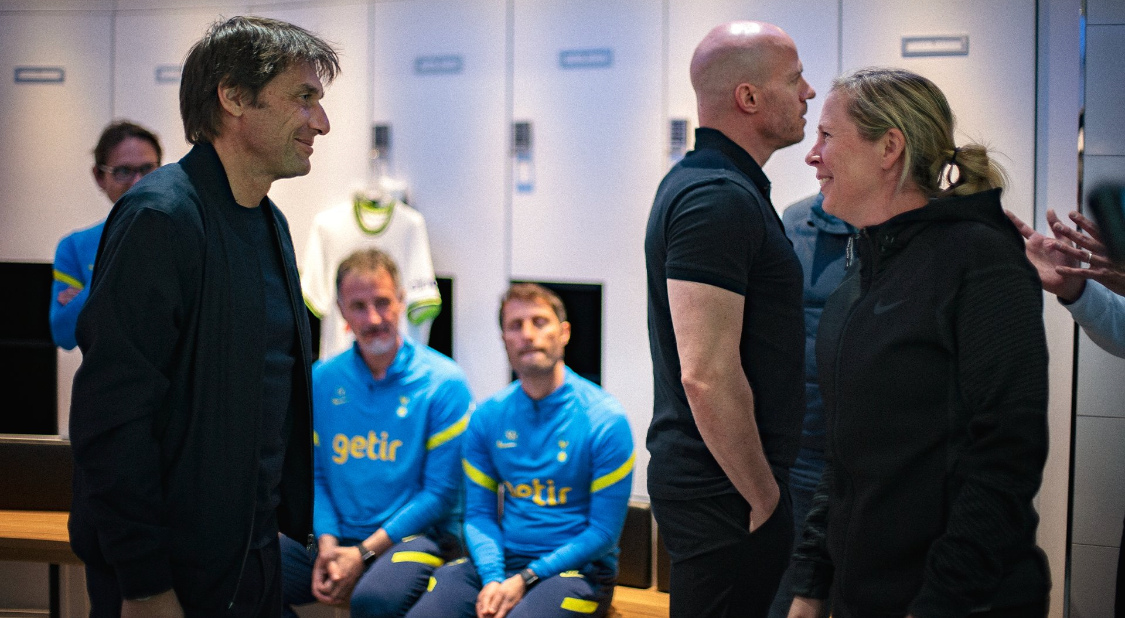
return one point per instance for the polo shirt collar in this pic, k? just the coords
(716, 140)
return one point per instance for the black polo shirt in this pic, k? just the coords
(712, 222)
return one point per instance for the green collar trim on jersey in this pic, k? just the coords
(364, 206)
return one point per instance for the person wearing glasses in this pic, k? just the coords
(125, 152)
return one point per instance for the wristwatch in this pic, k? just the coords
(366, 555)
(529, 577)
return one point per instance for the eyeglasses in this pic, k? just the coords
(125, 173)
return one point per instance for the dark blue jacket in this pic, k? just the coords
(820, 241)
(167, 405)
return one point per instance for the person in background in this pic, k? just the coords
(932, 359)
(124, 154)
(191, 415)
(821, 242)
(726, 333)
(388, 415)
(1092, 295)
(560, 450)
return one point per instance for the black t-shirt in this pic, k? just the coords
(254, 228)
(712, 223)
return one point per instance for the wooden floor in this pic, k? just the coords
(637, 603)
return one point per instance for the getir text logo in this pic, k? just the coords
(535, 491)
(376, 447)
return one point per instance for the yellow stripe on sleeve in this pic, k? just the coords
(581, 606)
(478, 477)
(447, 434)
(420, 557)
(67, 279)
(602, 482)
(430, 584)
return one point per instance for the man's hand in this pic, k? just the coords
(1088, 247)
(761, 512)
(496, 599)
(163, 605)
(323, 585)
(335, 574)
(68, 295)
(803, 607)
(1044, 255)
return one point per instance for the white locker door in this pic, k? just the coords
(597, 157)
(149, 50)
(813, 24)
(991, 89)
(50, 128)
(439, 72)
(340, 158)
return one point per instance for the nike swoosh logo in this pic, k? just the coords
(500, 444)
(881, 308)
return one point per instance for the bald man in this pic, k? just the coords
(726, 331)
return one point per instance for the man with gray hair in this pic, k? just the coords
(726, 331)
(190, 418)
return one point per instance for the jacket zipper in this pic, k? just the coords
(853, 252)
(245, 555)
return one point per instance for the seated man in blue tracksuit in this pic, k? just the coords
(561, 450)
(388, 416)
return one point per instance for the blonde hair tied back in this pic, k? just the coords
(880, 99)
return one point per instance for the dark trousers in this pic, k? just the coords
(719, 568)
(387, 588)
(258, 594)
(454, 588)
(804, 476)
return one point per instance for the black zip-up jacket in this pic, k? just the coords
(933, 366)
(166, 411)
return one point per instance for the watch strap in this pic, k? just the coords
(529, 577)
(366, 555)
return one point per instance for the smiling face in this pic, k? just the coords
(534, 337)
(280, 127)
(849, 167)
(372, 305)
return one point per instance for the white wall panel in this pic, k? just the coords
(813, 26)
(598, 157)
(24, 586)
(146, 40)
(991, 90)
(1099, 475)
(339, 162)
(57, 5)
(1097, 170)
(1059, 94)
(449, 143)
(1091, 581)
(1105, 91)
(50, 129)
(1105, 11)
(1100, 389)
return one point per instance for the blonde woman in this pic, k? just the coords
(932, 364)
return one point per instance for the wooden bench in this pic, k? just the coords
(36, 536)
